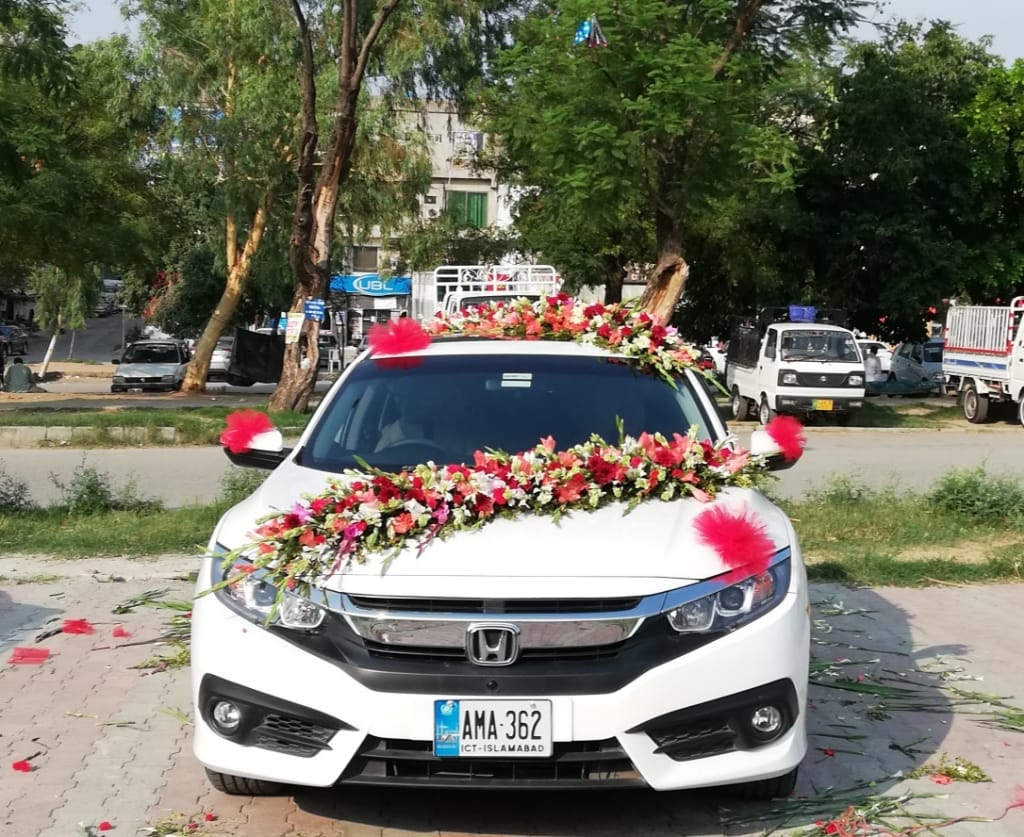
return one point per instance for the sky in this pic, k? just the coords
(973, 19)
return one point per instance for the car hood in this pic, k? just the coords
(655, 547)
(147, 370)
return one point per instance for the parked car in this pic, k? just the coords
(918, 365)
(884, 353)
(15, 340)
(220, 360)
(151, 366)
(611, 650)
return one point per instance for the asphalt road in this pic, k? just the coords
(906, 459)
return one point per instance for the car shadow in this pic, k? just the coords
(879, 708)
(20, 621)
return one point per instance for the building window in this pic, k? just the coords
(469, 209)
(364, 258)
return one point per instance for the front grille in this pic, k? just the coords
(294, 736)
(151, 379)
(579, 764)
(490, 607)
(693, 741)
(282, 724)
(381, 650)
(814, 379)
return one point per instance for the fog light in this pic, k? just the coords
(766, 721)
(226, 716)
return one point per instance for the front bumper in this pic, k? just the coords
(668, 728)
(824, 403)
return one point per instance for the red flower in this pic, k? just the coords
(241, 427)
(29, 656)
(940, 779)
(402, 523)
(828, 751)
(106, 825)
(209, 817)
(22, 766)
(740, 540)
(76, 626)
(788, 433)
(571, 491)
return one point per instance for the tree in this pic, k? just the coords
(891, 217)
(678, 111)
(229, 102)
(63, 300)
(408, 49)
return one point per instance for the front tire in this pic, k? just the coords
(764, 790)
(764, 411)
(241, 786)
(975, 405)
(740, 406)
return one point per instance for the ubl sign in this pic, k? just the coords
(370, 286)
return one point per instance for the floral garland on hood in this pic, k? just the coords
(369, 511)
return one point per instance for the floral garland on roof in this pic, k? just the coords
(624, 330)
(368, 511)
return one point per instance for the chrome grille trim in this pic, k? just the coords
(583, 628)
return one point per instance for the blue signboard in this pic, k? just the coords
(314, 310)
(371, 284)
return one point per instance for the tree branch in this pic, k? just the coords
(746, 12)
(383, 13)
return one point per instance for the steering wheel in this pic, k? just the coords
(412, 445)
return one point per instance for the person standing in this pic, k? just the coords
(873, 367)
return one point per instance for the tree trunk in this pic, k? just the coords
(668, 279)
(613, 275)
(50, 349)
(238, 274)
(71, 344)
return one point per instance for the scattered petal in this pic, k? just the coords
(939, 779)
(29, 656)
(828, 751)
(121, 632)
(104, 826)
(22, 766)
(76, 626)
(209, 817)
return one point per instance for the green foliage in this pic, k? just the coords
(980, 496)
(14, 493)
(90, 492)
(239, 483)
(427, 244)
(63, 300)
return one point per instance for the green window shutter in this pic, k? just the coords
(476, 210)
(457, 208)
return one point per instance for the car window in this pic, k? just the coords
(153, 354)
(445, 408)
(820, 345)
(933, 353)
(915, 353)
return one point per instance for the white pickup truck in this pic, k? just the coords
(449, 288)
(778, 364)
(983, 358)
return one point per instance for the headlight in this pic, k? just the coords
(788, 379)
(734, 605)
(252, 594)
(167, 379)
(855, 380)
(119, 379)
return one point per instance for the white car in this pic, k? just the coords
(607, 650)
(884, 353)
(151, 366)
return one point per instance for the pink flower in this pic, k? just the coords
(22, 766)
(402, 523)
(106, 825)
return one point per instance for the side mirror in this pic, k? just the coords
(115, 361)
(265, 450)
(762, 444)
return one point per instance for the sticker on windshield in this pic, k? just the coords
(517, 379)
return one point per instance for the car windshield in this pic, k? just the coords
(820, 345)
(150, 354)
(446, 407)
(933, 353)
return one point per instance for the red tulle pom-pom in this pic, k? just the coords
(241, 427)
(398, 337)
(788, 433)
(739, 539)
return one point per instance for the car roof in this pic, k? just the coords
(474, 345)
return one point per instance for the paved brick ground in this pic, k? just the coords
(111, 742)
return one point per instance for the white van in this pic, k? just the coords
(799, 364)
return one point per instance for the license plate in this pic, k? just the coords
(822, 404)
(492, 728)
(134, 389)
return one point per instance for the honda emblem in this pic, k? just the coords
(492, 644)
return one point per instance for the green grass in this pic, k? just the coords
(857, 535)
(910, 414)
(195, 425)
(131, 534)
